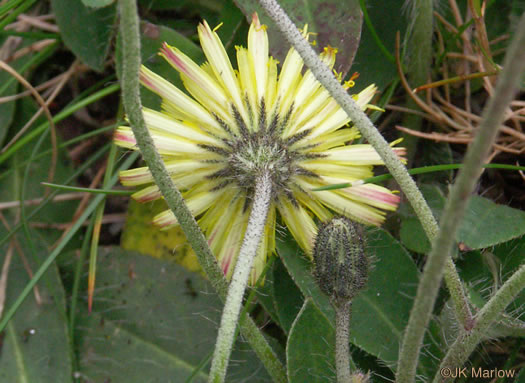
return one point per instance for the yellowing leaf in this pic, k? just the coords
(141, 235)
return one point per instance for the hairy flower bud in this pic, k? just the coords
(341, 264)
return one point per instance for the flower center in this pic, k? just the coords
(259, 153)
(261, 149)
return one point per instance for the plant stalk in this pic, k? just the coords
(492, 118)
(129, 27)
(433, 272)
(342, 342)
(232, 306)
(461, 349)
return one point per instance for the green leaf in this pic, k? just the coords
(379, 313)
(311, 346)
(435, 153)
(86, 31)
(373, 66)
(287, 297)
(300, 269)
(234, 30)
(265, 295)
(413, 236)
(336, 23)
(11, 185)
(35, 345)
(485, 223)
(140, 235)
(153, 321)
(97, 3)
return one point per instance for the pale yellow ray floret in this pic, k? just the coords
(220, 63)
(237, 120)
(258, 50)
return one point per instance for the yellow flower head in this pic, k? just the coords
(237, 123)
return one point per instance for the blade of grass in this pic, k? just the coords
(50, 197)
(13, 15)
(8, 6)
(96, 228)
(24, 221)
(30, 35)
(51, 258)
(376, 37)
(413, 171)
(63, 145)
(57, 118)
(32, 62)
(89, 190)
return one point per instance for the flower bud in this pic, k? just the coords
(341, 264)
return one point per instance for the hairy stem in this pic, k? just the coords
(131, 100)
(342, 342)
(367, 129)
(492, 118)
(434, 269)
(243, 266)
(325, 76)
(461, 349)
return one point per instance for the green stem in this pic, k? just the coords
(342, 342)
(413, 171)
(325, 76)
(99, 214)
(372, 135)
(492, 118)
(232, 306)
(88, 190)
(131, 99)
(461, 349)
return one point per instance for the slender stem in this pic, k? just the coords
(342, 342)
(374, 179)
(372, 135)
(458, 294)
(325, 76)
(492, 118)
(243, 266)
(461, 349)
(131, 101)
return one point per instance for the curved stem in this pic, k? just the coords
(372, 135)
(435, 267)
(133, 106)
(342, 342)
(243, 266)
(325, 76)
(492, 118)
(467, 342)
